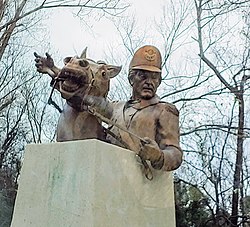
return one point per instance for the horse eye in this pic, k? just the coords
(103, 74)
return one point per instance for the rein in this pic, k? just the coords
(148, 172)
(54, 82)
(50, 100)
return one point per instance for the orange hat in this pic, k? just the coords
(146, 58)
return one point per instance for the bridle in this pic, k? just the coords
(147, 171)
(54, 82)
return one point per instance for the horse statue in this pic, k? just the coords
(79, 77)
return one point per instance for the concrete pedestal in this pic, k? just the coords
(90, 183)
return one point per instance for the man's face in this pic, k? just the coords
(145, 84)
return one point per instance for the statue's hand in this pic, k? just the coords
(151, 151)
(44, 64)
(99, 104)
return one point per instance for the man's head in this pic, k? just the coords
(145, 72)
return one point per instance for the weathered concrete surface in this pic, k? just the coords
(90, 183)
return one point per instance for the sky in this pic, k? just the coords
(69, 36)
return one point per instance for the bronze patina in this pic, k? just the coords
(80, 76)
(154, 122)
(143, 124)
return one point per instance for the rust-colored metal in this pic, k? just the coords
(80, 76)
(147, 58)
(147, 125)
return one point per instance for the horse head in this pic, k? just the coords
(81, 76)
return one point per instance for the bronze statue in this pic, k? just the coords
(143, 124)
(80, 76)
(147, 125)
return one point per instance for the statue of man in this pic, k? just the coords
(145, 115)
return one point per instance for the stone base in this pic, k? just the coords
(90, 183)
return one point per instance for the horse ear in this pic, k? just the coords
(113, 70)
(84, 53)
(66, 60)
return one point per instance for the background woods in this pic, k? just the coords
(205, 47)
(24, 115)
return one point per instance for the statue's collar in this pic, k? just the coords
(142, 103)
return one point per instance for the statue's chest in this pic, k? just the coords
(140, 119)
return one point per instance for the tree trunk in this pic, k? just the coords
(238, 166)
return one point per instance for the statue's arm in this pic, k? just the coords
(100, 105)
(169, 138)
(164, 152)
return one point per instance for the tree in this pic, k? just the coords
(205, 48)
(24, 116)
(208, 81)
(193, 207)
(232, 73)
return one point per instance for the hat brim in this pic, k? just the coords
(147, 67)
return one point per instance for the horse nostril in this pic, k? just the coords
(83, 63)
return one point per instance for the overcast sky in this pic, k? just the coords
(69, 36)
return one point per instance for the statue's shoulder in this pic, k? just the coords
(169, 107)
(118, 104)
